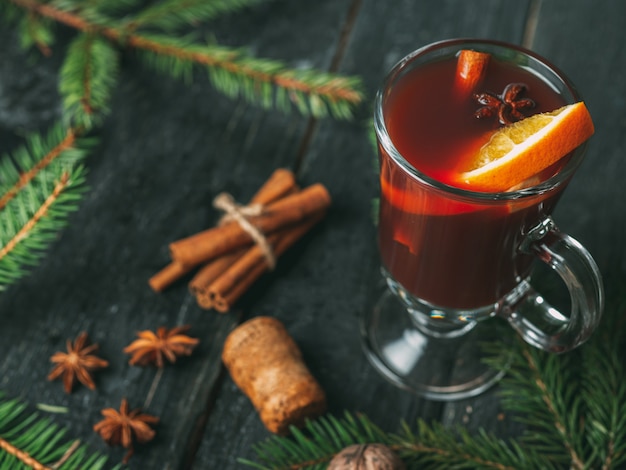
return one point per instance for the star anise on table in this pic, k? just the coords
(507, 106)
(77, 363)
(154, 348)
(125, 427)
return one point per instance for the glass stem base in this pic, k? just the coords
(432, 358)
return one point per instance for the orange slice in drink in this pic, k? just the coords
(517, 152)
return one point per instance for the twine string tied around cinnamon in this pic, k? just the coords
(240, 213)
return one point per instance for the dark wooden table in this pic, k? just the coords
(167, 148)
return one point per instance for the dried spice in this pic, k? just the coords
(153, 348)
(471, 69)
(246, 241)
(506, 106)
(125, 427)
(77, 363)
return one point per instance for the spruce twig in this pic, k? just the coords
(88, 75)
(604, 392)
(40, 185)
(29, 441)
(431, 446)
(36, 31)
(16, 179)
(233, 72)
(171, 14)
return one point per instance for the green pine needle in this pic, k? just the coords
(36, 31)
(88, 75)
(169, 15)
(264, 82)
(97, 12)
(603, 391)
(41, 183)
(435, 446)
(317, 444)
(27, 440)
(268, 83)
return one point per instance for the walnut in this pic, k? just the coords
(366, 457)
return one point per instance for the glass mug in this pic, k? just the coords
(453, 258)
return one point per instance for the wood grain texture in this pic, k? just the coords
(168, 148)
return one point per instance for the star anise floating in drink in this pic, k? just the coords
(507, 106)
(77, 363)
(125, 427)
(154, 348)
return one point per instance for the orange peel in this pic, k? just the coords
(517, 152)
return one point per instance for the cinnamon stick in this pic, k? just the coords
(280, 183)
(168, 275)
(204, 301)
(214, 242)
(228, 287)
(212, 270)
(471, 68)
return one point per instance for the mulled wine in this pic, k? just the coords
(477, 140)
(443, 248)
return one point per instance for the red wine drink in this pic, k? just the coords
(477, 140)
(443, 249)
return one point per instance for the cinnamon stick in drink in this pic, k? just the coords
(228, 287)
(214, 242)
(471, 68)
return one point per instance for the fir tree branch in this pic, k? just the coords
(88, 75)
(607, 413)
(40, 186)
(98, 11)
(23, 179)
(24, 248)
(28, 441)
(551, 402)
(543, 390)
(172, 14)
(325, 437)
(435, 446)
(430, 447)
(36, 31)
(39, 214)
(22, 456)
(231, 71)
(604, 392)
(234, 73)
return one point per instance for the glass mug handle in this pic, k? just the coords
(526, 309)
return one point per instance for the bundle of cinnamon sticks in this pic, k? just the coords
(228, 256)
